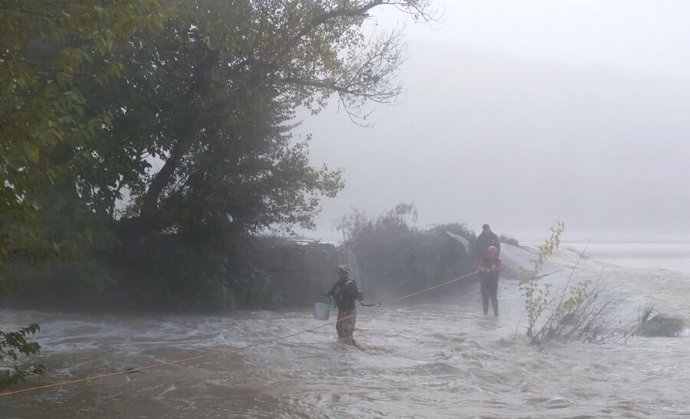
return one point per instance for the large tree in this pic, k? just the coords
(180, 135)
(213, 95)
(50, 52)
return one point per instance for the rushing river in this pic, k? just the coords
(426, 360)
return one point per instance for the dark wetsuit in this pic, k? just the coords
(488, 276)
(484, 240)
(345, 292)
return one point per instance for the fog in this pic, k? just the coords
(518, 114)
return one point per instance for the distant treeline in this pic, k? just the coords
(387, 253)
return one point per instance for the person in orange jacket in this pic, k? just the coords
(489, 267)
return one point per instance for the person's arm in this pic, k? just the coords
(354, 291)
(480, 266)
(495, 241)
(498, 266)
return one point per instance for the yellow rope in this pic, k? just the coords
(429, 289)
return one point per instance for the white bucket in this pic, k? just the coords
(322, 307)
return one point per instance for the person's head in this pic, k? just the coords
(486, 227)
(343, 271)
(492, 252)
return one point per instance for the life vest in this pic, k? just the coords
(345, 294)
(492, 265)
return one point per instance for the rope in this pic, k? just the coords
(394, 300)
(215, 353)
(164, 364)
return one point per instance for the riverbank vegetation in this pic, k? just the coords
(575, 310)
(395, 257)
(654, 324)
(578, 310)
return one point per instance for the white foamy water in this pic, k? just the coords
(661, 256)
(424, 360)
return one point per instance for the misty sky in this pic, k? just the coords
(521, 113)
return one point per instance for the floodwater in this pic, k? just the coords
(427, 360)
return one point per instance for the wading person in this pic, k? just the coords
(489, 267)
(484, 240)
(345, 292)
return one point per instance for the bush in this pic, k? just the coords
(172, 273)
(160, 273)
(537, 295)
(584, 316)
(659, 325)
(577, 311)
(394, 257)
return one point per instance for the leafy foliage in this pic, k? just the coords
(50, 54)
(536, 294)
(166, 126)
(395, 257)
(213, 96)
(14, 347)
(579, 310)
(576, 311)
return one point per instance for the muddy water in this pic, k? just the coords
(425, 360)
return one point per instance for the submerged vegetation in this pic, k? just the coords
(576, 311)
(579, 310)
(658, 325)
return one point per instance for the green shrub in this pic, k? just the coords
(15, 348)
(395, 257)
(537, 295)
(576, 311)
